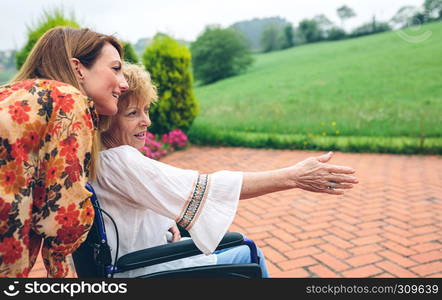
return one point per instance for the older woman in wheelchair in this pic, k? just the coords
(147, 199)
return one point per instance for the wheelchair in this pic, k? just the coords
(93, 258)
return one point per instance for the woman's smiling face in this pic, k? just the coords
(104, 82)
(130, 126)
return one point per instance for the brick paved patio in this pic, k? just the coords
(389, 225)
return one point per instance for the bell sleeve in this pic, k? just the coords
(203, 204)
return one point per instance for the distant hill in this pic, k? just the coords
(252, 29)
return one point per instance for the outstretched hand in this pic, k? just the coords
(314, 174)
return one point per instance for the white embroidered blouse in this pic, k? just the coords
(145, 197)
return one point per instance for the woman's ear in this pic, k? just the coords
(77, 66)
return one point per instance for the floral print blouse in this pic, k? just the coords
(46, 136)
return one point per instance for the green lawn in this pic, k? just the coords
(360, 93)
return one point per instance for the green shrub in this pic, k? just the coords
(129, 53)
(50, 19)
(356, 144)
(370, 28)
(219, 53)
(336, 33)
(169, 64)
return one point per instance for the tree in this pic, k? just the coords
(433, 9)
(327, 27)
(344, 12)
(252, 29)
(323, 22)
(219, 53)
(310, 30)
(419, 18)
(50, 19)
(298, 37)
(169, 64)
(271, 38)
(288, 37)
(129, 53)
(404, 16)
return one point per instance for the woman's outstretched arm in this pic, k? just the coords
(313, 174)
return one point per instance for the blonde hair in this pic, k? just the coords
(50, 59)
(141, 92)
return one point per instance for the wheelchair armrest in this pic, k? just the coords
(169, 252)
(251, 270)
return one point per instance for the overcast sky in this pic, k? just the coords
(183, 19)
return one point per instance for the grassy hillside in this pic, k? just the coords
(377, 87)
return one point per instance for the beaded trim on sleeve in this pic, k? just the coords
(195, 203)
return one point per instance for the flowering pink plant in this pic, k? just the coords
(156, 147)
(175, 138)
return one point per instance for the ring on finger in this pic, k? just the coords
(333, 185)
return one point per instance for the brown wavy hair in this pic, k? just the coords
(50, 59)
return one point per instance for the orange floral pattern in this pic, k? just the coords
(19, 111)
(46, 135)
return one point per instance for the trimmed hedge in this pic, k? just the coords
(129, 53)
(169, 64)
(394, 145)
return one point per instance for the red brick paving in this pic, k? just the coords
(389, 225)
